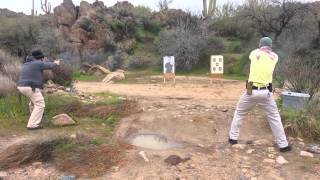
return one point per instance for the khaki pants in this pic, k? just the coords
(262, 98)
(36, 105)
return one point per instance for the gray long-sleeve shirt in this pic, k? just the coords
(32, 72)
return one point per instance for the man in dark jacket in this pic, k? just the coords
(30, 83)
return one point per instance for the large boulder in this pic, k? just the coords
(86, 9)
(114, 76)
(98, 70)
(62, 120)
(66, 13)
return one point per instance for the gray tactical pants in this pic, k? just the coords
(262, 98)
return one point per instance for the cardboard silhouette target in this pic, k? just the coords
(169, 69)
(216, 67)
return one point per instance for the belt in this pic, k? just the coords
(259, 88)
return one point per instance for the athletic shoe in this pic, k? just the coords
(286, 149)
(232, 142)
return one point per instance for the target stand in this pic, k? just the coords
(169, 70)
(216, 69)
(169, 77)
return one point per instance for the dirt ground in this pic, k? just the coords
(196, 114)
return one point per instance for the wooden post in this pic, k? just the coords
(169, 70)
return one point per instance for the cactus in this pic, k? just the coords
(46, 6)
(32, 10)
(211, 10)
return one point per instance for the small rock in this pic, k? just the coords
(301, 144)
(37, 172)
(272, 156)
(37, 164)
(271, 161)
(313, 149)
(73, 136)
(299, 139)
(63, 120)
(271, 149)
(115, 168)
(3, 174)
(144, 156)
(244, 170)
(306, 154)
(68, 178)
(239, 146)
(201, 145)
(281, 160)
(175, 160)
(68, 89)
(250, 151)
(249, 142)
(224, 110)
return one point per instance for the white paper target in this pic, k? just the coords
(168, 64)
(216, 64)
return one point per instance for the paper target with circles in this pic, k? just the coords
(216, 64)
(168, 64)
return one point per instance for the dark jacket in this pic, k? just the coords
(32, 72)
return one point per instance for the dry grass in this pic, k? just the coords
(79, 157)
(101, 110)
(9, 72)
(89, 161)
(26, 153)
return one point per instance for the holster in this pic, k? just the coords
(270, 87)
(249, 86)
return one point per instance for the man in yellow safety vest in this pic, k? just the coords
(259, 92)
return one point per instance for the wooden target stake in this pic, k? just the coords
(169, 70)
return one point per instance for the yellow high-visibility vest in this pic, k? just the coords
(263, 62)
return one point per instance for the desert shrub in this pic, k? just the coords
(226, 26)
(63, 75)
(7, 85)
(141, 12)
(86, 24)
(93, 57)
(19, 35)
(144, 36)
(186, 41)
(303, 123)
(71, 59)
(110, 46)
(116, 60)
(9, 72)
(137, 62)
(241, 67)
(302, 73)
(151, 26)
(47, 40)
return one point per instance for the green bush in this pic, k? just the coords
(63, 75)
(239, 67)
(13, 106)
(303, 123)
(9, 73)
(141, 12)
(226, 27)
(151, 26)
(19, 35)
